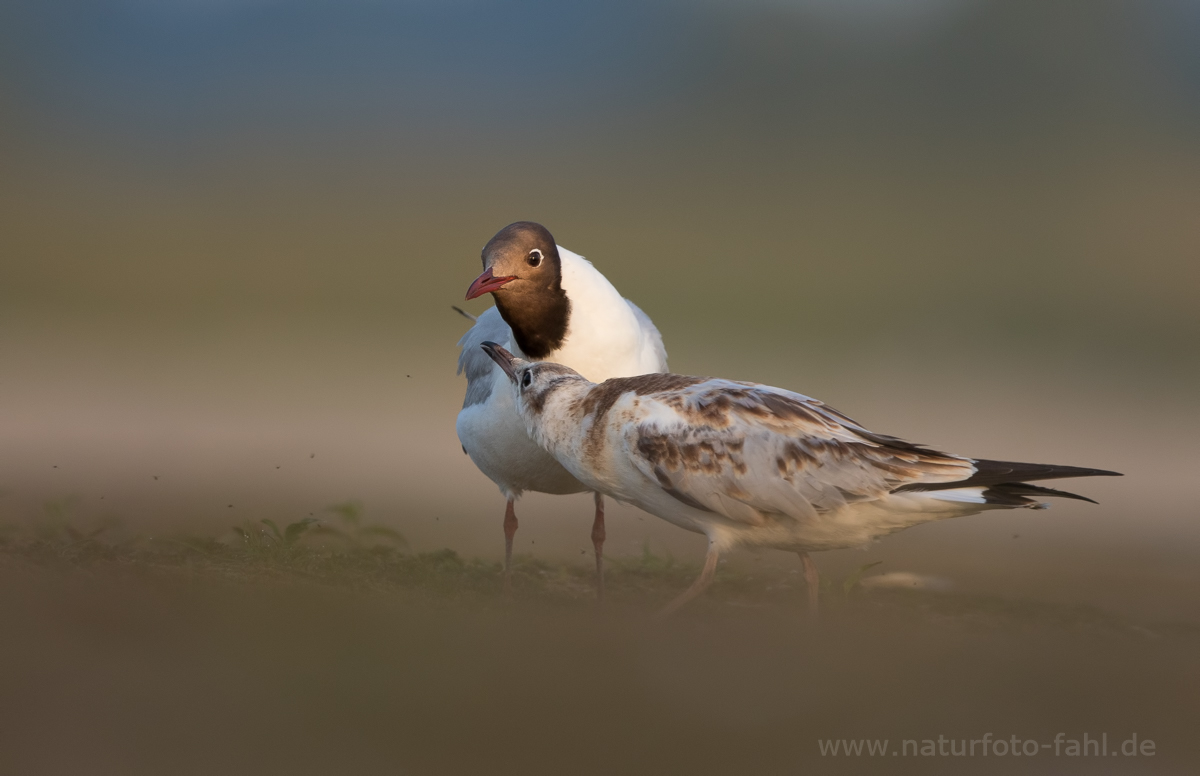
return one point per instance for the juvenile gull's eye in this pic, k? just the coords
(527, 379)
(534, 258)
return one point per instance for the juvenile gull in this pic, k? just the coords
(551, 305)
(750, 465)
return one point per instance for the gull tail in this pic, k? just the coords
(1006, 483)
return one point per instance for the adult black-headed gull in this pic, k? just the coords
(551, 305)
(748, 464)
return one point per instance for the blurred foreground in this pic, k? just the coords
(333, 654)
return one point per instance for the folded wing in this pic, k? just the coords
(744, 450)
(476, 364)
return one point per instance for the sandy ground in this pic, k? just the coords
(112, 668)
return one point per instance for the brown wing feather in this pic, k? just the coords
(743, 450)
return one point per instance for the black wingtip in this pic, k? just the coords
(988, 473)
(1019, 493)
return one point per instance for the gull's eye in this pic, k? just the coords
(534, 259)
(527, 380)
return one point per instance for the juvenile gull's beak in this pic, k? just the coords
(487, 282)
(501, 357)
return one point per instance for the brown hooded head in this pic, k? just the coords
(523, 273)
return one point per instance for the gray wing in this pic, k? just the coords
(474, 362)
(651, 336)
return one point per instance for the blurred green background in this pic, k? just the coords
(232, 231)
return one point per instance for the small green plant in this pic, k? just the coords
(272, 536)
(353, 531)
(292, 533)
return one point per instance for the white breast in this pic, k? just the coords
(494, 435)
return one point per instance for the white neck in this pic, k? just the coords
(604, 337)
(557, 427)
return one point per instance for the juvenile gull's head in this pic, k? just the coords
(533, 381)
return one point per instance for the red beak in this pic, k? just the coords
(487, 283)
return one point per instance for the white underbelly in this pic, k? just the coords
(494, 437)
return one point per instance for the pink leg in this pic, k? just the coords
(699, 586)
(813, 580)
(510, 530)
(598, 543)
